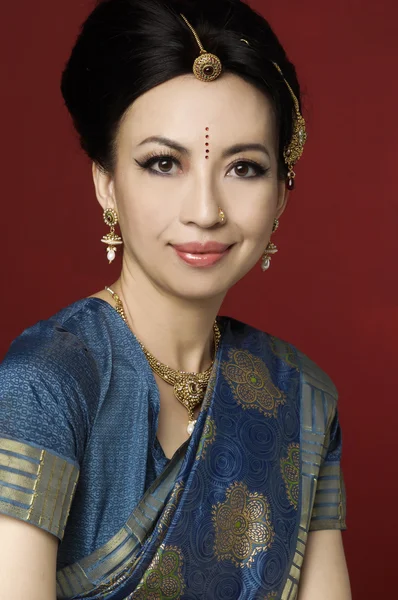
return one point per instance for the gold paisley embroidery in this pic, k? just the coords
(287, 354)
(290, 467)
(163, 579)
(165, 520)
(242, 525)
(251, 384)
(208, 437)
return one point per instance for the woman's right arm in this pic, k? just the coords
(27, 561)
(47, 380)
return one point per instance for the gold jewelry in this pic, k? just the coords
(270, 250)
(111, 239)
(189, 388)
(295, 148)
(207, 66)
(221, 215)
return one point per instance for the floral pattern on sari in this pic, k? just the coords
(290, 467)
(284, 351)
(163, 579)
(243, 526)
(251, 383)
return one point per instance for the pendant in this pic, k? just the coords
(191, 426)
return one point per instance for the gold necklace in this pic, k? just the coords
(189, 388)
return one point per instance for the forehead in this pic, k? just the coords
(233, 109)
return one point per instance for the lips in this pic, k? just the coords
(198, 254)
(202, 248)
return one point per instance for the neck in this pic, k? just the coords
(177, 332)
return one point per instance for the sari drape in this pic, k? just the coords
(227, 517)
(230, 514)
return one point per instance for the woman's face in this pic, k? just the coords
(184, 149)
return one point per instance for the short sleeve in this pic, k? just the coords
(46, 380)
(329, 509)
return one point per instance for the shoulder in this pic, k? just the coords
(316, 386)
(50, 382)
(62, 344)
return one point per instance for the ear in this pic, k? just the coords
(283, 196)
(104, 187)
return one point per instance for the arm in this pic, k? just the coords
(44, 383)
(324, 573)
(27, 561)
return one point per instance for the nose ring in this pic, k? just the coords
(221, 215)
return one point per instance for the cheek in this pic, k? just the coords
(253, 213)
(142, 216)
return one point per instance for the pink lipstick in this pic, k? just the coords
(197, 254)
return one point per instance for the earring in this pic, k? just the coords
(270, 250)
(111, 239)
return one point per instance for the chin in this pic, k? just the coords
(198, 288)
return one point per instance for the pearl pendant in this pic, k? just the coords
(191, 427)
(111, 254)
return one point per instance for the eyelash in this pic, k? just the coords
(152, 159)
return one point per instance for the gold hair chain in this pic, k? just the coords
(208, 67)
(189, 388)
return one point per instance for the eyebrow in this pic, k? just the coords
(235, 149)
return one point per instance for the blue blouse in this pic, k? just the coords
(79, 410)
(90, 397)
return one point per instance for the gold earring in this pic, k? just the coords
(270, 250)
(111, 239)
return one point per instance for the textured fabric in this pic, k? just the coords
(262, 467)
(78, 385)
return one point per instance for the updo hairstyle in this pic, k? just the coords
(127, 47)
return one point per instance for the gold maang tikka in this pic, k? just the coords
(207, 66)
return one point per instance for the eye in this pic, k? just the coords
(161, 165)
(247, 169)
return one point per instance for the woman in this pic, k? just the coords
(150, 449)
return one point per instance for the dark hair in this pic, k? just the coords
(127, 47)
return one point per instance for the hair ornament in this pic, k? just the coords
(294, 150)
(207, 66)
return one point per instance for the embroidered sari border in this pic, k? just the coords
(317, 395)
(120, 552)
(36, 485)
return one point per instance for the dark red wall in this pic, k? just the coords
(332, 289)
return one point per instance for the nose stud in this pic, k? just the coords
(221, 215)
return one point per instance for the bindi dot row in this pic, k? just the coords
(207, 137)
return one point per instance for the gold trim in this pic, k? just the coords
(318, 407)
(101, 570)
(36, 485)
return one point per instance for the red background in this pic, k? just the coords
(331, 289)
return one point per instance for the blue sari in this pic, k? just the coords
(228, 516)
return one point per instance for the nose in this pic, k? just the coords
(201, 201)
